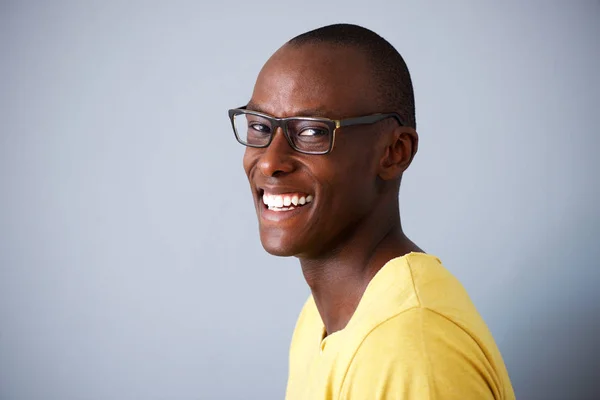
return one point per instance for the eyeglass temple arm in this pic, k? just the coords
(370, 119)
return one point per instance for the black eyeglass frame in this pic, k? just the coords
(333, 125)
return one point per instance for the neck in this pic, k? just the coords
(339, 278)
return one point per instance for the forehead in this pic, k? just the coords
(331, 81)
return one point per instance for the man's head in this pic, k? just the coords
(336, 72)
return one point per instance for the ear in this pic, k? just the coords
(399, 152)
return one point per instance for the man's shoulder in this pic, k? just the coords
(436, 289)
(421, 353)
(416, 280)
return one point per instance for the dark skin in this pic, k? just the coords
(352, 228)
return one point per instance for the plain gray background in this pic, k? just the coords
(130, 264)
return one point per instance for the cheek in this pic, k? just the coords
(355, 165)
(346, 184)
(353, 185)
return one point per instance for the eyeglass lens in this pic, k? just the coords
(305, 134)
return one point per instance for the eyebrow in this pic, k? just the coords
(307, 112)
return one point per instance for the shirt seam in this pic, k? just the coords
(412, 281)
(430, 377)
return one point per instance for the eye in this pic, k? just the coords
(314, 132)
(262, 128)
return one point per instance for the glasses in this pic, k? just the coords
(304, 134)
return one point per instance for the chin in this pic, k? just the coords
(279, 252)
(279, 245)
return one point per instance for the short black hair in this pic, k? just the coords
(389, 69)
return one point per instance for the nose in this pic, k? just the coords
(276, 158)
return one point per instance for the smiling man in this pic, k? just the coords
(329, 130)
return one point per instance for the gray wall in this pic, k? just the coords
(130, 265)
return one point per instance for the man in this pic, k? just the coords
(329, 130)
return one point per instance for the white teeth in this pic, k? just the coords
(272, 201)
(278, 201)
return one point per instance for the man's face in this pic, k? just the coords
(320, 81)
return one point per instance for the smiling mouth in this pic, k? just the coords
(285, 201)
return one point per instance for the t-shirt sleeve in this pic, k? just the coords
(419, 354)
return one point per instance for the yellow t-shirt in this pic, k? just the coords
(414, 335)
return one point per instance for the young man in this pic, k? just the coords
(330, 130)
